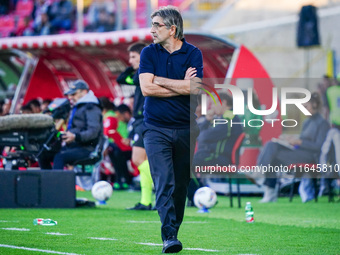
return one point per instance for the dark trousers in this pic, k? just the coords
(69, 156)
(119, 159)
(170, 155)
(194, 185)
(65, 156)
(275, 154)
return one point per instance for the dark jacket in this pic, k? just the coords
(130, 77)
(215, 144)
(87, 123)
(313, 134)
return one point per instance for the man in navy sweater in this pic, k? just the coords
(167, 67)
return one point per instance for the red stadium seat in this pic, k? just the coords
(24, 8)
(4, 33)
(168, 2)
(7, 21)
(7, 25)
(20, 22)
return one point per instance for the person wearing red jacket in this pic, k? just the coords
(119, 146)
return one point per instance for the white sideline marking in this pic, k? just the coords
(17, 229)
(190, 249)
(194, 222)
(9, 221)
(135, 221)
(57, 234)
(34, 249)
(103, 238)
(189, 222)
(151, 244)
(200, 249)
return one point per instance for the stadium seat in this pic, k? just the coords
(5, 33)
(235, 157)
(21, 22)
(169, 2)
(7, 21)
(7, 25)
(24, 8)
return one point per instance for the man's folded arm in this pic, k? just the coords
(182, 87)
(149, 88)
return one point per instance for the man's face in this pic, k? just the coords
(160, 33)
(77, 95)
(134, 59)
(35, 109)
(124, 117)
(309, 107)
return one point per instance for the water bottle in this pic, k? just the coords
(44, 222)
(249, 213)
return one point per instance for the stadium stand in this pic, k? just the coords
(24, 8)
(7, 24)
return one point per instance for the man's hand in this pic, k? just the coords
(190, 73)
(295, 142)
(69, 137)
(152, 85)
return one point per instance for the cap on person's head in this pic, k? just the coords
(78, 84)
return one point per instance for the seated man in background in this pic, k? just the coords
(83, 130)
(120, 151)
(215, 144)
(26, 109)
(35, 105)
(305, 149)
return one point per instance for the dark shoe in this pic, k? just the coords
(172, 245)
(140, 207)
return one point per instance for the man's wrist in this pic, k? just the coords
(157, 80)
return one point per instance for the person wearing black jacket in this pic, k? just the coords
(130, 77)
(215, 144)
(85, 126)
(139, 158)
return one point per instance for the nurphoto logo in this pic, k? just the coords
(239, 104)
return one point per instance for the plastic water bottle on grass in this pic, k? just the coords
(44, 222)
(249, 213)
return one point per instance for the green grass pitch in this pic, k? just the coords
(279, 228)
